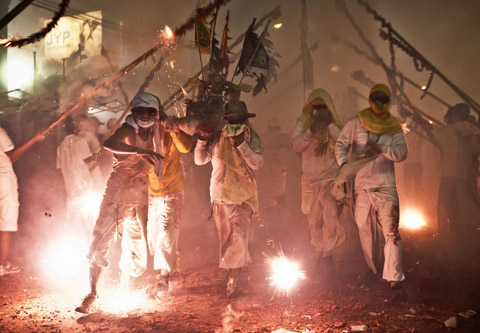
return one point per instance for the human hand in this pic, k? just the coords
(205, 131)
(373, 149)
(149, 156)
(320, 125)
(237, 140)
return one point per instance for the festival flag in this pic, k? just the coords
(249, 43)
(223, 57)
(202, 36)
(308, 80)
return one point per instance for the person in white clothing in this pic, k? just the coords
(314, 137)
(9, 198)
(374, 132)
(235, 152)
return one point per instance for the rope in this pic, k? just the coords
(43, 32)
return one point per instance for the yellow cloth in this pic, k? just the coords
(380, 87)
(388, 125)
(172, 182)
(316, 97)
(239, 185)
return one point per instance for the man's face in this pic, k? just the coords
(379, 103)
(321, 112)
(144, 115)
(236, 119)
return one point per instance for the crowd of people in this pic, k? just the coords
(144, 194)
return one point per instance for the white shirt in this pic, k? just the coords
(205, 154)
(71, 154)
(5, 145)
(380, 172)
(315, 167)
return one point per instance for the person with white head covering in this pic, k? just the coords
(126, 195)
(314, 136)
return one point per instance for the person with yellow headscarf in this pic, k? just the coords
(314, 138)
(375, 133)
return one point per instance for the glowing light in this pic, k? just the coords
(167, 34)
(125, 300)
(411, 219)
(89, 204)
(185, 93)
(277, 25)
(423, 87)
(285, 274)
(20, 71)
(65, 259)
(430, 122)
(336, 68)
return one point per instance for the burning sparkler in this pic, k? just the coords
(285, 274)
(167, 34)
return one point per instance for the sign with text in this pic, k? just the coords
(81, 34)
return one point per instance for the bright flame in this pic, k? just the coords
(125, 300)
(65, 259)
(20, 71)
(167, 34)
(285, 274)
(430, 122)
(423, 87)
(277, 26)
(412, 219)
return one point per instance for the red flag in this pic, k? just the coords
(249, 44)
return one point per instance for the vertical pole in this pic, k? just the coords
(34, 72)
(4, 4)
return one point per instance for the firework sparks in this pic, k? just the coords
(125, 300)
(167, 34)
(65, 260)
(285, 274)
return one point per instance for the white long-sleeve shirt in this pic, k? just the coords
(380, 172)
(211, 153)
(315, 167)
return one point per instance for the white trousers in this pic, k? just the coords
(163, 227)
(234, 224)
(376, 208)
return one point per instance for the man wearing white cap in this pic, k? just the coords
(126, 195)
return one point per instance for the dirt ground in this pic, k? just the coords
(439, 285)
(195, 303)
